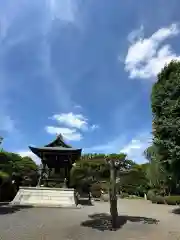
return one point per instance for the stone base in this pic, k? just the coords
(44, 197)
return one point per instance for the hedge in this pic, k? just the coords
(170, 200)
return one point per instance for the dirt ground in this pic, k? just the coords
(138, 219)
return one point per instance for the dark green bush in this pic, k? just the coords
(7, 192)
(158, 199)
(96, 190)
(172, 200)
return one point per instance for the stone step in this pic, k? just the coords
(41, 196)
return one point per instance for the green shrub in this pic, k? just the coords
(158, 199)
(7, 192)
(172, 200)
(151, 194)
(96, 190)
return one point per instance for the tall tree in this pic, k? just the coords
(12, 163)
(166, 119)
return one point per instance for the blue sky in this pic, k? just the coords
(83, 68)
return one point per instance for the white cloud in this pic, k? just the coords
(72, 120)
(73, 124)
(69, 134)
(135, 148)
(146, 56)
(136, 34)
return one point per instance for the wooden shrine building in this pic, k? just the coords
(57, 159)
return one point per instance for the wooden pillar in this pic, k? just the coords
(67, 170)
(69, 175)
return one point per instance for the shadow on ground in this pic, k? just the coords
(9, 209)
(102, 221)
(176, 211)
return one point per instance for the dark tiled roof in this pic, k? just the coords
(58, 142)
(54, 149)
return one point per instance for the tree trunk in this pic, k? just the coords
(113, 196)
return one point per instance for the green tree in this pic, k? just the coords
(1, 139)
(90, 168)
(150, 153)
(166, 120)
(157, 175)
(14, 164)
(135, 182)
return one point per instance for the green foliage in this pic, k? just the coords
(135, 182)
(13, 166)
(96, 190)
(91, 168)
(94, 168)
(170, 200)
(166, 119)
(14, 163)
(158, 199)
(3, 177)
(7, 190)
(150, 153)
(151, 194)
(155, 172)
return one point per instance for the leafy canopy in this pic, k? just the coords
(166, 117)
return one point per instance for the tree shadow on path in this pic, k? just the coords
(9, 209)
(102, 221)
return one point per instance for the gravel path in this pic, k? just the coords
(138, 219)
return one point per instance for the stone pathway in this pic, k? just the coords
(138, 219)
